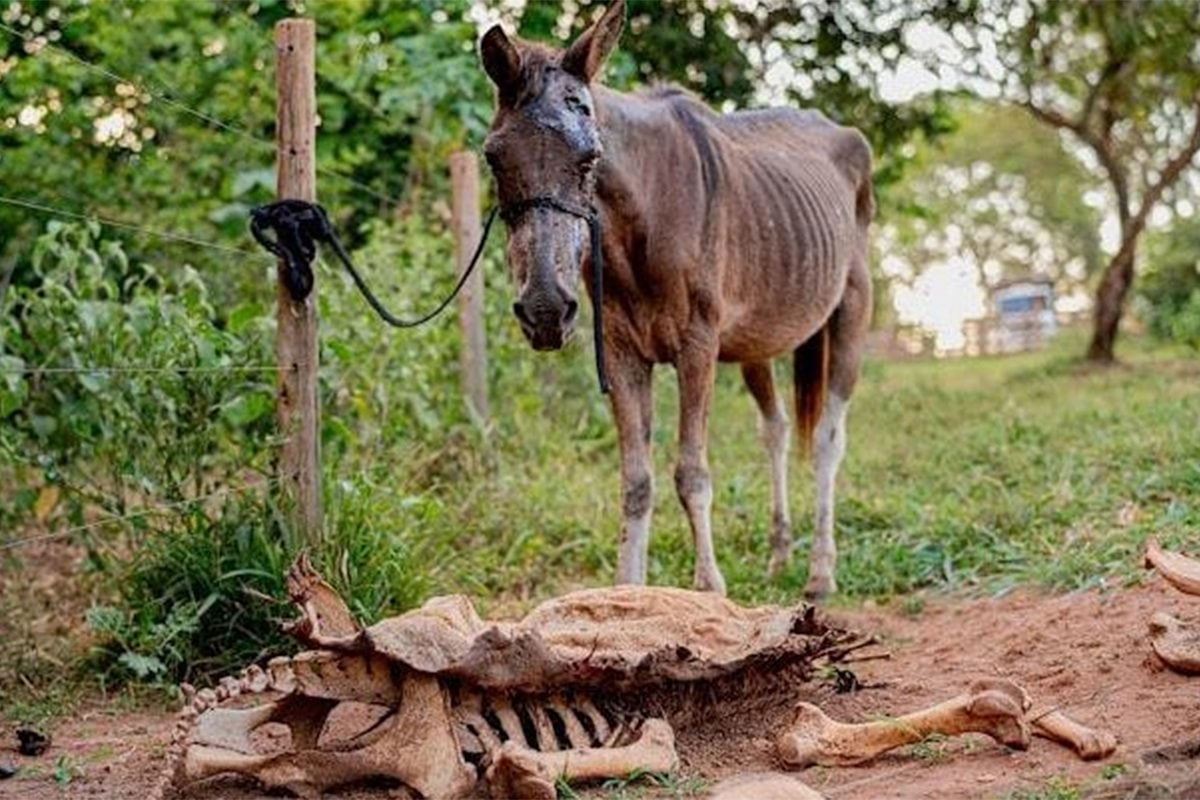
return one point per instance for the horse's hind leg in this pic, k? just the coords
(773, 429)
(847, 337)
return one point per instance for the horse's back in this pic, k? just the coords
(806, 134)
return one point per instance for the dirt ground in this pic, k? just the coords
(1086, 653)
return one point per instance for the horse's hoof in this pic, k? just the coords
(819, 589)
(709, 583)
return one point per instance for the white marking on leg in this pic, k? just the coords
(695, 493)
(829, 445)
(637, 506)
(774, 431)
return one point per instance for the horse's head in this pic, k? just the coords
(543, 148)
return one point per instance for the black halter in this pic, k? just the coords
(512, 212)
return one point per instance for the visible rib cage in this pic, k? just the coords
(485, 721)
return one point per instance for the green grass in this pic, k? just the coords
(981, 473)
(962, 475)
(1055, 789)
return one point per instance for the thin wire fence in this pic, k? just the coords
(162, 510)
(164, 96)
(87, 370)
(129, 226)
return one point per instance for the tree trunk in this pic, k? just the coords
(1110, 302)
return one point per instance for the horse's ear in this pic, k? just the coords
(501, 60)
(587, 54)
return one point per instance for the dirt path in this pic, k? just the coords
(1086, 653)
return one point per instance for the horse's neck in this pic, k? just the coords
(635, 131)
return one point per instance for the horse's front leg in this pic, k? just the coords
(697, 369)
(633, 406)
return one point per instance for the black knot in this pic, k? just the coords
(298, 226)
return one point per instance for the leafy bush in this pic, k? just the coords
(172, 392)
(1170, 288)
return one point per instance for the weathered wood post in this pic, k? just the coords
(464, 182)
(296, 348)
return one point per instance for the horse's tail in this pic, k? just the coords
(811, 372)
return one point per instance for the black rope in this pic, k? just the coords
(598, 300)
(299, 226)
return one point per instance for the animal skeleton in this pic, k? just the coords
(585, 687)
(440, 701)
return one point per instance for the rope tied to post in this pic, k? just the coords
(299, 226)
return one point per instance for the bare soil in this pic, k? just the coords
(1086, 653)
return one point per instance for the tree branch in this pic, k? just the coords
(1100, 145)
(1171, 171)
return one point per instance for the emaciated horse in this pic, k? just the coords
(738, 237)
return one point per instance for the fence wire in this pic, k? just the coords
(165, 509)
(129, 226)
(165, 97)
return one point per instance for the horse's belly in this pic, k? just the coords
(763, 331)
(780, 308)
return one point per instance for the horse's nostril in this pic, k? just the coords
(522, 314)
(569, 313)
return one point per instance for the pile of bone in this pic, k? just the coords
(448, 704)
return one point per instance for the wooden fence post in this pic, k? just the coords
(296, 348)
(464, 182)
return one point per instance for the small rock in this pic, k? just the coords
(7, 770)
(986, 777)
(33, 743)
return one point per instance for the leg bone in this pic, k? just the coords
(1180, 571)
(994, 707)
(1089, 743)
(763, 786)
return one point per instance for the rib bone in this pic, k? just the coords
(1088, 743)
(1175, 643)
(1180, 571)
(994, 707)
(520, 772)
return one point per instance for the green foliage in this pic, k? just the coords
(1170, 285)
(1059, 788)
(1002, 193)
(142, 428)
(833, 55)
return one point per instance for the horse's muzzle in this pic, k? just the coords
(546, 326)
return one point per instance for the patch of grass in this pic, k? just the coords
(641, 783)
(65, 771)
(1057, 788)
(931, 749)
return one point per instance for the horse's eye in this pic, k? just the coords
(578, 105)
